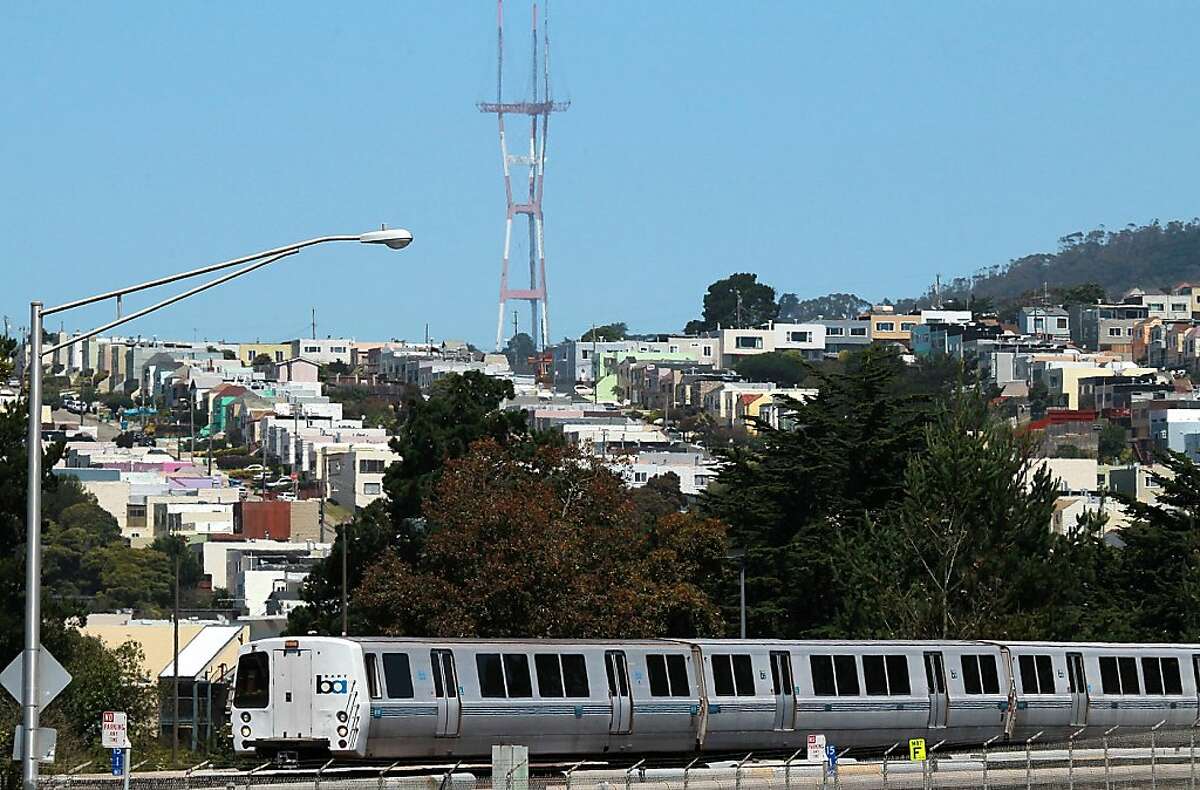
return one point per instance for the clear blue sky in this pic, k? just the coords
(827, 146)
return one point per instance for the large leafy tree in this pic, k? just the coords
(460, 409)
(1161, 557)
(969, 536)
(540, 541)
(785, 368)
(840, 455)
(614, 331)
(739, 300)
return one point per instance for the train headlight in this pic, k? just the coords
(341, 731)
(341, 716)
(245, 731)
(246, 716)
(341, 744)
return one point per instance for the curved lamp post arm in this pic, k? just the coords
(278, 251)
(166, 302)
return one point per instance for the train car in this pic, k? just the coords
(1059, 688)
(397, 699)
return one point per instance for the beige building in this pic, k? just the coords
(356, 475)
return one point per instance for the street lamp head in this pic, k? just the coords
(397, 238)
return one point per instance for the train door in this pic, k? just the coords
(935, 677)
(1077, 685)
(781, 679)
(618, 692)
(445, 690)
(1196, 675)
(291, 705)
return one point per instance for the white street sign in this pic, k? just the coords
(114, 730)
(52, 678)
(816, 748)
(47, 740)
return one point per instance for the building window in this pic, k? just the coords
(278, 356)
(1114, 331)
(701, 481)
(1156, 306)
(372, 489)
(311, 349)
(375, 465)
(708, 351)
(1062, 323)
(858, 331)
(907, 326)
(1178, 307)
(585, 354)
(835, 331)
(639, 477)
(885, 326)
(800, 337)
(748, 341)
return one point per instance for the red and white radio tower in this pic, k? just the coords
(538, 108)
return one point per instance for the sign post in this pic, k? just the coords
(114, 734)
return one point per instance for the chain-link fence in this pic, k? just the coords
(1161, 759)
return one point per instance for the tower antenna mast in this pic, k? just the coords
(538, 108)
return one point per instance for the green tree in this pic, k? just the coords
(1161, 557)
(739, 300)
(971, 530)
(1113, 440)
(519, 349)
(788, 498)
(785, 368)
(614, 331)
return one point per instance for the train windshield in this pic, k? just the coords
(253, 682)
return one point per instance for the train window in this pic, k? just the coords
(1161, 675)
(372, 676)
(972, 684)
(1172, 684)
(897, 671)
(822, 676)
(1110, 680)
(516, 675)
(575, 679)
(397, 676)
(668, 675)
(846, 669)
(253, 689)
(987, 673)
(1127, 667)
(1037, 674)
(549, 675)
(743, 675)
(677, 672)
(656, 666)
(1152, 674)
(561, 676)
(874, 676)
(1045, 670)
(722, 669)
(885, 675)
(491, 675)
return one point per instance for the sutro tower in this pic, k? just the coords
(538, 108)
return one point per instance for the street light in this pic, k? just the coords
(395, 239)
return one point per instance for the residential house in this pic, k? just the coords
(1043, 321)
(356, 475)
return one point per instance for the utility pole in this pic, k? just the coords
(296, 450)
(595, 369)
(192, 420)
(175, 663)
(314, 323)
(345, 575)
(738, 296)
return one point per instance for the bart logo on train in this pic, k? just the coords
(335, 686)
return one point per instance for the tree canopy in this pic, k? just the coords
(739, 300)
(614, 331)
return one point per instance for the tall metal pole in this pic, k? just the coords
(742, 595)
(175, 668)
(33, 554)
(192, 418)
(345, 575)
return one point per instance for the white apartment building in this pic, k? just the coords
(356, 475)
(322, 351)
(808, 339)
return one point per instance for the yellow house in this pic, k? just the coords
(278, 352)
(1065, 380)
